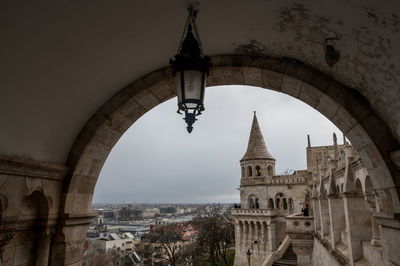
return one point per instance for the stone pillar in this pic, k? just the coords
(376, 236)
(272, 237)
(389, 223)
(358, 223)
(257, 232)
(317, 215)
(264, 243)
(238, 236)
(245, 243)
(67, 246)
(303, 249)
(337, 218)
(324, 214)
(42, 248)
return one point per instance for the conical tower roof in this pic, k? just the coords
(256, 149)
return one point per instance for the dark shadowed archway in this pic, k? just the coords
(344, 106)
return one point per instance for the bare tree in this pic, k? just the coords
(215, 235)
(164, 245)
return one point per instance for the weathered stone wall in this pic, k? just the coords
(321, 256)
(30, 194)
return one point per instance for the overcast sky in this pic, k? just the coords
(157, 161)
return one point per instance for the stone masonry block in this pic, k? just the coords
(271, 80)
(132, 109)
(216, 77)
(252, 76)
(233, 75)
(146, 99)
(163, 91)
(359, 137)
(327, 106)
(310, 95)
(343, 120)
(291, 86)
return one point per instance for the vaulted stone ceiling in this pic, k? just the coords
(61, 60)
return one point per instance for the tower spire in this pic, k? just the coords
(256, 149)
(309, 141)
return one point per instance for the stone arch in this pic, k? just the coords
(257, 170)
(358, 186)
(249, 171)
(291, 204)
(278, 203)
(344, 106)
(251, 201)
(36, 209)
(270, 170)
(271, 203)
(284, 204)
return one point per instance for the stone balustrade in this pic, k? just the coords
(290, 180)
(297, 223)
(254, 212)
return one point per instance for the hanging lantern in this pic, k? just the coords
(191, 68)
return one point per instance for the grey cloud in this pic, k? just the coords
(158, 161)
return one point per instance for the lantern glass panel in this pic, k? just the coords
(178, 82)
(193, 87)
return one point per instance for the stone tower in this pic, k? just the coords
(256, 163)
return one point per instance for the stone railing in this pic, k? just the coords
(254, 212)
(278, 254)
(297, 223)
(279, 180)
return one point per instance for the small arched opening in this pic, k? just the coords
(270, 203)
(284, 203)
(270, 172)
(359, 186)
(249, 171)
(258, 170)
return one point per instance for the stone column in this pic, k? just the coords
(67, 245)
(42, 248)
(358, 223)
(272, 237)
(317, 215)
(324, 214)
(238, 236)
(376, 236)
(264, 243)
(337, 218)
(246, 236)
(257, 232)
(389, 223)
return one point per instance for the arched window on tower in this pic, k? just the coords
(271, 203)
(257, 204)
(270, 172)
(258, 170)
(243, 172)
(251, 203)
(249, 171)
(291, 205)
(284, 202)
(277, 203)
(359, 186)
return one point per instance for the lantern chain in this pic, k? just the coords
(191, 19)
